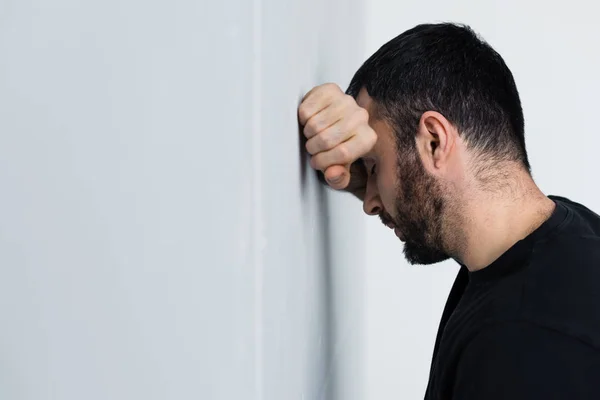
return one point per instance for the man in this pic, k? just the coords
(430, 136)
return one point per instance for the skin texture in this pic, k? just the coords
(430, 191)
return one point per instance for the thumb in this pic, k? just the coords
(338, 176)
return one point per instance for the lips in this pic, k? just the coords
(396, 231)
(387, 222)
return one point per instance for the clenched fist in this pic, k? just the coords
(337, 130)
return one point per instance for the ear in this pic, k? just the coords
(436, 139)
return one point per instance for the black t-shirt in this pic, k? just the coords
(528, 325)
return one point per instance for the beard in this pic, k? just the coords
(420, 205)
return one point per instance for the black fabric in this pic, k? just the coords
(528, 325)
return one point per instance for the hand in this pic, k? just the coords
(337, 130)
(358, 180)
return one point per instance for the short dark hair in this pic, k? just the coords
(447, 68)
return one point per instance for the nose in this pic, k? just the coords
(372, 202)
(371, 208)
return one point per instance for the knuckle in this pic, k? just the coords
(372, 137)
(310, 146)
(349, 126)
(304, 113)
(368, 139)
(330, 86)
(307, 132)
(327, 142)
(344, 154)
(332, 91)
(362, 115)
(349, 100)
(346, 104)
(358, 119)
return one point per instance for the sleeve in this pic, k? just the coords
(520, 360)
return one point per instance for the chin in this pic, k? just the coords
(420, 255)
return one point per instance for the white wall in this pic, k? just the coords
(552, 50)
(161, 236)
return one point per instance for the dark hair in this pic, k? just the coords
(449, 69)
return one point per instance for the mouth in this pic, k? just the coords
(389, 224)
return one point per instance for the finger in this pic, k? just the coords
(328, 139)
(336, 133)
(324, 119)
(316, 100)
(338, 176)
(346, 152)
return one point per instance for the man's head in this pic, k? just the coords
(449, 120)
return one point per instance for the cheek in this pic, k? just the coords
(387, 191)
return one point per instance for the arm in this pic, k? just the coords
(520, 360)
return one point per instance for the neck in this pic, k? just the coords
(491, 223)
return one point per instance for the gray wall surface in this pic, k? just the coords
(161, 235)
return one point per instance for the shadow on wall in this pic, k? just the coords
(326, 376)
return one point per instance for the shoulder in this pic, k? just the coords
(562, 286)
(581, 220)
(572, 250)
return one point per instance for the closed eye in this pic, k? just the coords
(369, 162)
